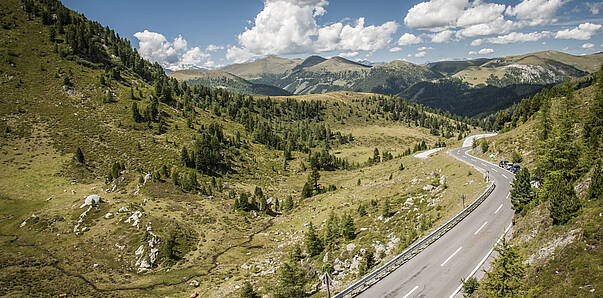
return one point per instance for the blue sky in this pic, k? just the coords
(182, 34)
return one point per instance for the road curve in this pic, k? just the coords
(438, 270)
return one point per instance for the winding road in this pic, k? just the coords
(437, 271)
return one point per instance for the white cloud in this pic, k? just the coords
(582, 32)
(484, 51)
(420, 54)
(594, 7)
(289, 27)
(513, 37)
(408, 39)
(349, 54)
(588, 46)
(395, 49)
(359, 37)
(424, 48)
(435, 15)
(440, 37)
(213, 48)
(535, 12)
(497, 26)
(171, 55)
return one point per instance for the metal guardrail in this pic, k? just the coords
(413, 250)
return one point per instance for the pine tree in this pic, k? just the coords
(313, 244)
(504, 280)
(560, 152)
(367, 262)
(136, 113)
(595, 190)
(248, 292)
(376, 157)
(331, 231)
(564, 204)
(79, 156)
(348, 231)
(184, 158)
(313, 179)
(385, 212)
(291, 280)
(485, 146)
(521, 192)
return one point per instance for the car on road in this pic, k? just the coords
(508, 166)
(514, 169)
(502, 163)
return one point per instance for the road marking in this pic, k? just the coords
(481, 262)
(508, 195)
(450, 257)
(411, 291)
(505, 176)
(480, 228)
(498, 209)
(495, 170)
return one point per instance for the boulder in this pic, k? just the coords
(91, 200)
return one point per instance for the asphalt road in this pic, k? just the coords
(437, 271)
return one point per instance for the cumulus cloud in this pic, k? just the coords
(588, 46)
(175, 55)
(408, 39)
(420, 54)
(424, 48)
(482, 52)
(349, 54)
(513, 37)
(440, 37)
(582, 32)
(213, 48)
(435, 15)
(289, 27)
(535, 12)
(395, 49)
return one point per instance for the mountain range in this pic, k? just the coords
(469, 87)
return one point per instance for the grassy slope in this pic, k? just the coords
(46, 125)
(561, 260)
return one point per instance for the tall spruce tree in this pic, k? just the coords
(564, 204)
(348, 231)
(521, 192)
(313, 244)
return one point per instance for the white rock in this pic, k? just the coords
(134, 218)
(140, 250)
(91, 200)
(350, 247)
(194, 283)
(108, 215)
(428, 187)
(123, 209)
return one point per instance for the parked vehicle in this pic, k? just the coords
(515, 169)
(508, 166)
(502, 163)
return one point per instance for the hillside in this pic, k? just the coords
(230, 82)
(121, 181)
(557, 233)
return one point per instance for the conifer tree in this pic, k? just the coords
(248, 292)
(313, 244)
(563, 201)
(79, 156)
(331, 231)
(595, 190)
(291, 280)
(504, 280)
(521, 192)
(348, 231)
(386, 212)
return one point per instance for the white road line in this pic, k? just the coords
(450, 257)
(411, 291)
(505, 176)
(495, 170)
(498, 209)
(480, 228)
(508, 195)
(481, 262)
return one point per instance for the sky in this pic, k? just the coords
(210, 34)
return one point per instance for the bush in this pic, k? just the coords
(470, 285)
(516, 157)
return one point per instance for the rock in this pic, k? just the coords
(428, 187)
(121, 247)
(134, 218)
(50, 198)
(95, 265)
(326, 257)
(194, 283)
(140, 250)
(108, 215)
(91, 200)
(363, 229)
(123, 209)
(443, 179)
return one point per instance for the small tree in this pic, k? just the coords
(313, 179)
(307, 190)
(485, 146)
(248, 292)
(368, 261)
(79, 155)
(516, 157)
(291, 280)
(348, 231)
(470, 285)
(386, 212)
(504, 280)
(595, 190)
(313, 244)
